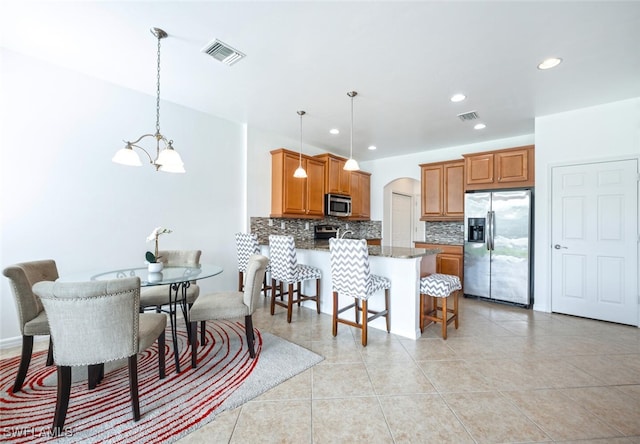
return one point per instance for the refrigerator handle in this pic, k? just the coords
(493, 229)
(489, 232)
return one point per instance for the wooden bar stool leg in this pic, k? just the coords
(422, 297)
(444, 318)
(335, 313)
(318, 295)
(365, 321)
(290, 302)
(455, 307)
(386, 307)
(274, 295)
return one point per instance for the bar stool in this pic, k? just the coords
(246, 246)
(439, 286)
(350, 276)
(286, 270)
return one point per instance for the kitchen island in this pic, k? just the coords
(403, 266)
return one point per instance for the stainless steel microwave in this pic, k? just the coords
(337, 205)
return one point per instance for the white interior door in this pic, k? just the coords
(401, 220)
(594, 230)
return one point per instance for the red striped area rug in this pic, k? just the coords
(226, 377)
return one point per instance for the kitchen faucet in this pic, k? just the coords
(341, 236)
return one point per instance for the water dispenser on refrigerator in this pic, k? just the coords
(476, 229)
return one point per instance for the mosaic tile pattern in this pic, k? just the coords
(264, 226)
(448, 233)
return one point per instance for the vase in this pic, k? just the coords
(155, 267)
(154, 277)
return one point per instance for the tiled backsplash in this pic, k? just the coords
(444, 233)
(264, 226)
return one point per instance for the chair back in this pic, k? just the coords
(256, 268)
(283, 258)
(180, 257)
(22, 277)
(92, 322)
(246, 246)
(350, 273)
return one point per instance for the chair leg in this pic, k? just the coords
(318, 295)
(455, 307)
(93, 375)
(265, 287)
(274, 295)
(386, 307)
(161, 358)
(422, 298)
(194, 346)
(203, 336)
(365, 322)
(299, 288)
(335, 313)
(290, 302)
(133, 386)
(251, 339)
(25, 359)
(62, 399)
(444, 318)
(50, 353)
(240, 280)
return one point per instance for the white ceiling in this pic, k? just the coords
(405, 59)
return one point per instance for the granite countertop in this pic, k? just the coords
(374, 250)
(441, 242)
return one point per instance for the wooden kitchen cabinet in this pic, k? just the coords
(294, 197)
(508, 168)
(442, 191)
(360, 192)
(449, 261)
(336, 179)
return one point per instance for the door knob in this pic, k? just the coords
(558, 246)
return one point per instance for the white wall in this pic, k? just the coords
(596, 133)
(62, 197)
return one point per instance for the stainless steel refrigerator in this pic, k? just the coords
(497, 245)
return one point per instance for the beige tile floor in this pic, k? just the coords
(506, 375)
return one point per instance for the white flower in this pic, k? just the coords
(157, 232)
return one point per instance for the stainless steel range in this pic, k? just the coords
(324, 232)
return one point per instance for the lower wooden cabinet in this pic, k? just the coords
(449, 261)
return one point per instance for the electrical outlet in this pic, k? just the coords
(346, 226)
(306, 225)
(271, 222)
(282, 226)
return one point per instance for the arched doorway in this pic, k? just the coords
(401, 225)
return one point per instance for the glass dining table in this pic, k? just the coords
(178, 279)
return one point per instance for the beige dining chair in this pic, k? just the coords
(31, 315)
(96, 322)
(231, 304)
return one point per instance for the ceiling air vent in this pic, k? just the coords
(222, 52)
(471, 115)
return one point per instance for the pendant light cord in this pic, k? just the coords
(158, 92)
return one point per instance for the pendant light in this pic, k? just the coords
(167, 159)
(300, 172)
(351, 164)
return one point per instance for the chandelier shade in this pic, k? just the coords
(166, 158)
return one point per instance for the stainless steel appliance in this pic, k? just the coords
(323, 232)
(337, 205)
(497, 245)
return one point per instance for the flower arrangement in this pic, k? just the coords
(151, 257)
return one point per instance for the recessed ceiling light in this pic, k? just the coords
(479, 126)
(458, 97)
(550, 63)
(334, 131)
(372, 147)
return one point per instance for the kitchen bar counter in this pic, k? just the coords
(403, 266)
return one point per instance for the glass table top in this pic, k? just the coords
(168, 275)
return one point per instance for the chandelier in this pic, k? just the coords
(166, 158)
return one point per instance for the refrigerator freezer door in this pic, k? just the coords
(510, 255)
(476, 254)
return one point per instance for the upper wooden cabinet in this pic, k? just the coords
(442, 191)
(336, 179)
(294, 197)
(508, 168)
(360, 192)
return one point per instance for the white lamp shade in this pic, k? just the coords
(170, 161)
(126, 156)
(300, 173)
(351, 165)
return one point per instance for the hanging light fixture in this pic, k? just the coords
(351, 164)
(300, 172)
(167, 159)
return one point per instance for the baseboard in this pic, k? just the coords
(16, 341)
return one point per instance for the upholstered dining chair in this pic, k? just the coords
(246, 246)
(350, 276)
(285, 269)
(31, 314)
(96, 322)
(233, 304)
